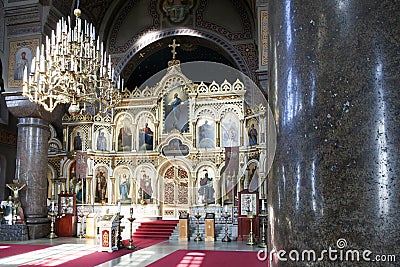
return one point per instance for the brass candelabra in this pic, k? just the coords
(263, 216)
(226, 237)
(251, 240)
(53, 220)
(198, 237)
(131, 219)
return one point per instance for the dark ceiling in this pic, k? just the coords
(154, 58)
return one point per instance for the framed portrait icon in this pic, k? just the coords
(248, 203)
(20, 57)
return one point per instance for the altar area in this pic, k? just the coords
(164, 150)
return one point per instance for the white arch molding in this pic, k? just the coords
(153, 36)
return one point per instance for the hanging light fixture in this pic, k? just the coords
(73, 67)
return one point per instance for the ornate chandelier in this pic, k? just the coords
(73, 68)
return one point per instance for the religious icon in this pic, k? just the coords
(146, 190)
(124, 188)
(101, 186)
(78, 141)
(72, 178)
(252, 134)
(251, 180)
(248, 204)
(176, 10)
(20, 55)
(15, 188)
(21, 63)
(146, 138)
(101, 141)
(206, 189)
(125, 136)
(176, 114)
(206, 135)
(230, 130)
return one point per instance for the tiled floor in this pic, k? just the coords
(141, 257)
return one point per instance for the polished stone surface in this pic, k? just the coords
(142, 257)
(334, 92)
(31, 169)
(21, 107)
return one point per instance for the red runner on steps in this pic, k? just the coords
(160, 229)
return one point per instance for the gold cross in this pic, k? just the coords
(174, 46)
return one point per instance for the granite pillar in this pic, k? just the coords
(334, 92)
(31, 169)
(31, 159)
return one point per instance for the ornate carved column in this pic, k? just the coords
(242, 132)
(194, 133)
(113, 192)
(89, 190)
(217, 190)
(263, 131)
(31, 161)
(156, 131)
(218, 131)
(135, 139)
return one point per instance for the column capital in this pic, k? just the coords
(21, 107)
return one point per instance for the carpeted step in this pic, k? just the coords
(152, 237)
(156, 229)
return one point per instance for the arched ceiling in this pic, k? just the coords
(95, 11)
(121, 24)
(154, 57)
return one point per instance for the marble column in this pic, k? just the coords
(334, 92)
(31, 160)
(31, 168)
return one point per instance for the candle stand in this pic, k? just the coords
(131, 245)
(263, 216)
(53, 220)
(81, 216)
(251, 240)
(226, 237)
(198, 237)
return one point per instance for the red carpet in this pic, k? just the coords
(160, 229)
(209, 258)
(90, 257)
(7, 250)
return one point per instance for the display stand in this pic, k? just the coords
(91, 225)
(210, 227)
(108, 229)
(248, 204)
(66, 221)
(184, 227)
